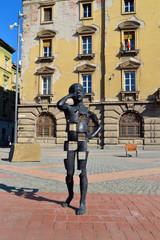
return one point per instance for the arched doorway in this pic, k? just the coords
(46, 125)
(130, 125)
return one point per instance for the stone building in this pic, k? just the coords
(7, 93)
(111, 48)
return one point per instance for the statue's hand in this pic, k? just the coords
(71, 95)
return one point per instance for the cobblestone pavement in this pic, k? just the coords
(123, 200)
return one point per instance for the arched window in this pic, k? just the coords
(130, 125)
(92, 126)
(46, 125)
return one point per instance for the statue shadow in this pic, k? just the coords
(30, 193)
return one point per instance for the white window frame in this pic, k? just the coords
(87, 44)
(48, 85)
(130, 83)
(49, 49)
(86, 88)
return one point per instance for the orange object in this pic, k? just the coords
(130, 147)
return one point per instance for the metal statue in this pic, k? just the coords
(77, 119)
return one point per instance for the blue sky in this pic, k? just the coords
(11, 7)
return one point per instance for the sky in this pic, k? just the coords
(8, 16)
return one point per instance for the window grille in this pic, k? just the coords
(130, 125)
(46, 126)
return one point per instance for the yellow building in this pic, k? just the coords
(111, 48)
(6, 93)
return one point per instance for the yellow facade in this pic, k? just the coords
(111, 48)
(65, 51)
(6, 93)
(147, 43)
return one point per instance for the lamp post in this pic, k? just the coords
(19, 39)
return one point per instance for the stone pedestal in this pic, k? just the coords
(25, 153)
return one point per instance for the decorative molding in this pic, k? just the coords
(129, 65)
(45, 70)
(86, 30)
(128, 25)
(46, 34)
(86, 68)
(43, 4)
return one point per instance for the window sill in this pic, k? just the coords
(128, 13)
(86, 18)
(47, 22)
(45, 59)
(88, 97)
(129, 95)
(89, 55)
(129, 52)
(45, 98)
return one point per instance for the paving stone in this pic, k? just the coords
(122, 202)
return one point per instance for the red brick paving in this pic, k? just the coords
(4, 175)
(151, 178)
(125, 217)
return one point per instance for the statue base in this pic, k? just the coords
(25, 153)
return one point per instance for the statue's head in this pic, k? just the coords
(78, 91)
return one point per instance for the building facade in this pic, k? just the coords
(7, 93)
(111, 48)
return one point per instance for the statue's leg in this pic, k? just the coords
(69, 164)
(83, 191)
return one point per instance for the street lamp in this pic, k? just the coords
(19, 39)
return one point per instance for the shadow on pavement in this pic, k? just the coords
(123, 156)
(29, 193)
(5, 159)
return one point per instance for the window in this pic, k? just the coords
(46, 126)
(86, 77)
(130, 81)
(130, 125)
(47, 41)
(6, 63)
(87, 45)
(46, 85)
(5, 82)
(86, 42)
(87, 83)
(129, 41)
(47, 49)
(129, 37)
(128, 6)
(47, 12)
(91, 126)
(130, 74)
(4, 107)
(86, 11)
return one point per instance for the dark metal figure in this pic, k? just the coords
(77, 118)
